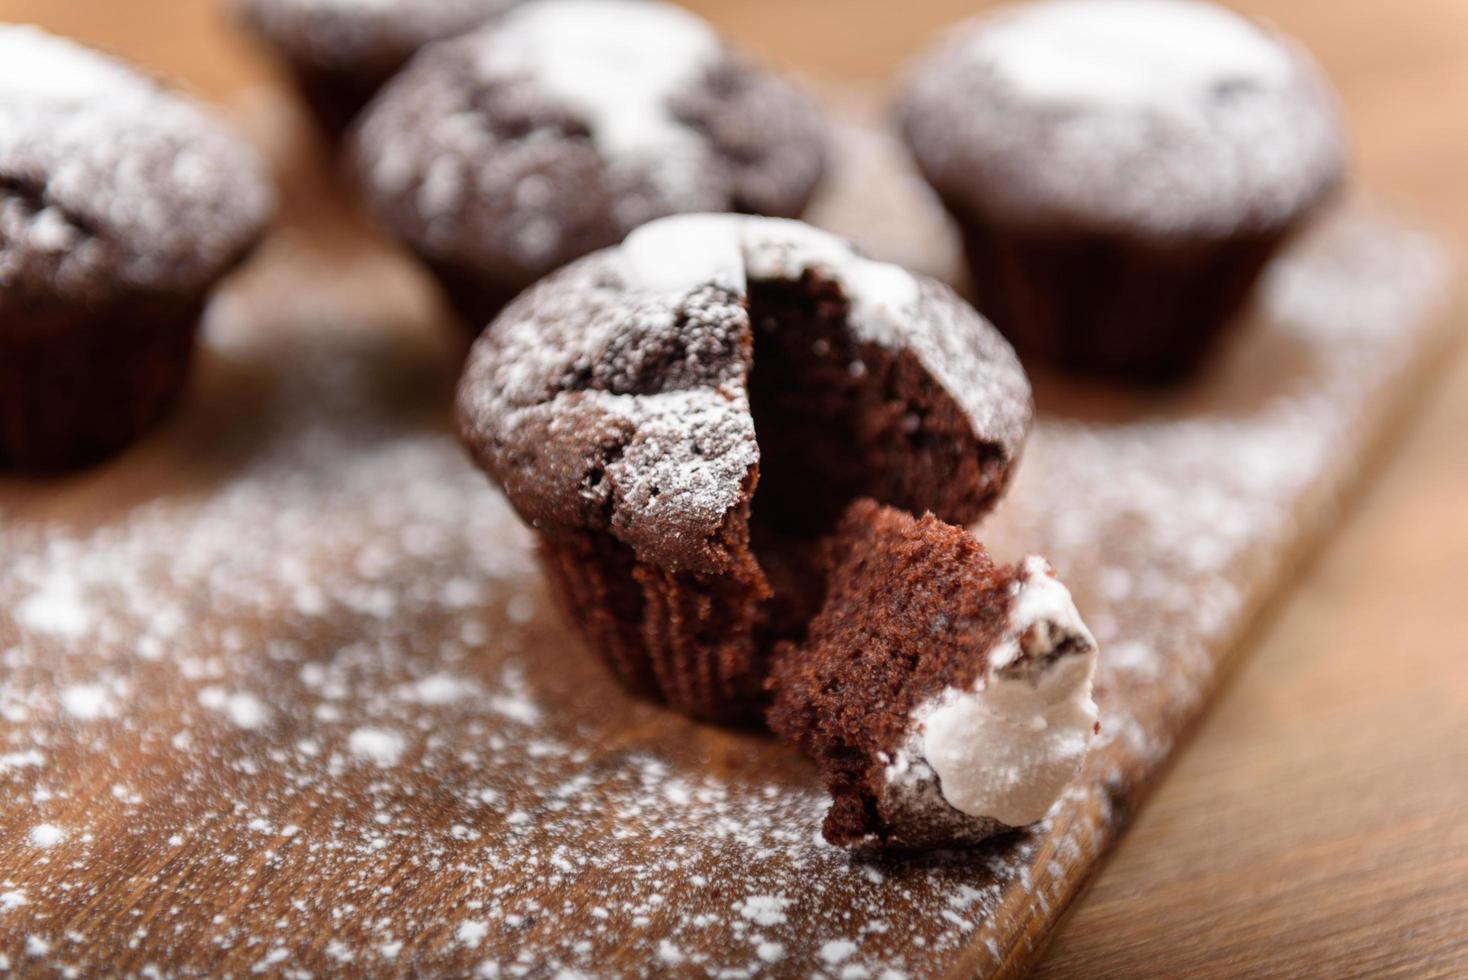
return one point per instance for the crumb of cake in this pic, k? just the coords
(945, 698)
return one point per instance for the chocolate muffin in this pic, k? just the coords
(502, 155)
(121, 205)
(1121, 171)
(683, 417)
(945, 699)
(341, 51)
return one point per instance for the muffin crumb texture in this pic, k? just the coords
(946, 699)
(682, 418)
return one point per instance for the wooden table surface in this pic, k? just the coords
(1320, 814)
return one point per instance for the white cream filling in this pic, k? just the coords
(1006, 747)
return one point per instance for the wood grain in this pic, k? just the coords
(1316, 823)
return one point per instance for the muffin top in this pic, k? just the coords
(109, 182)
(1168, 116)
(369, 37)
(615, 394)
(562, 126)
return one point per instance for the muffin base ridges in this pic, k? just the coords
(1110, 306)
(685, 638)
(78, 383)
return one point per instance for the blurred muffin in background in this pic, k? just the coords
(1121, 171)
(122, 204)
(501, 155)
(341, 51)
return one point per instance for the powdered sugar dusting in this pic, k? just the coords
(1160, 53)
(381, 746)
(243, 709)
(765, 910)
(53, 608)
(86, 702)
(36, 65)
(619, 64)
(542, 823)
(45, 835)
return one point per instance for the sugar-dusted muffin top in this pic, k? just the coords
(1159, 115)
(372, 37)
(562, 126)
(616, 394)
(109, 181)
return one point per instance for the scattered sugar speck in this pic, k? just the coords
(765, 910)
(471, 932)
(86, 702)
(46, 835)
(381, 746)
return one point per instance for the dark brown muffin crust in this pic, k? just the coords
(496, 171)
(641, 431)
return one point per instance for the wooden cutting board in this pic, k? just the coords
(281, 691)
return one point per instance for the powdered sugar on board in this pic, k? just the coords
(309, 711)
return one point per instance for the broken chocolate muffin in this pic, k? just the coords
(554, 131)
(945, 699)
(684, 417)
